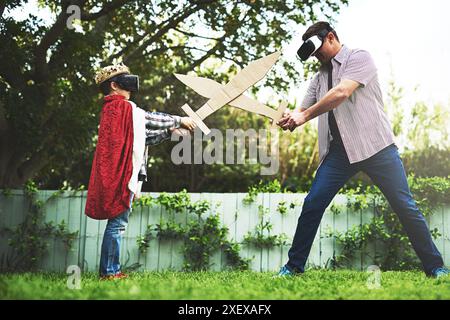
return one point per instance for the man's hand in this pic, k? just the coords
(284, 119)
(296, 119)
(188, 123)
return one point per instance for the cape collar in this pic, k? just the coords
(112, 97)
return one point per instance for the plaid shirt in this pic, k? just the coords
(158, 125)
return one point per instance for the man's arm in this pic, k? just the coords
(331, 100)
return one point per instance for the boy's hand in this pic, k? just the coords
(180, 132)
(188, 123)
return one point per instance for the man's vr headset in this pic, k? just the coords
(312, 44)
(128, 82)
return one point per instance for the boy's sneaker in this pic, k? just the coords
(107, 277)
(120, 275)
(440, 272)
(284, 272)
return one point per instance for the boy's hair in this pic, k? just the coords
(105, 87)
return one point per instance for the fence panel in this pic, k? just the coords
(238, 217)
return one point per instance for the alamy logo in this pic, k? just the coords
(262, 147)
(74, 279)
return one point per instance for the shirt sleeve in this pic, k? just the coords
(156, 136)
(360, 67)
(159, 120)
(310, 97)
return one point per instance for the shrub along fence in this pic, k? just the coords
(48, 230)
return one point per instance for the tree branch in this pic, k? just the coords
(195, 35)
(40, 52)
(167, 79)
(32, 165)
(170, 24)
(109, 7)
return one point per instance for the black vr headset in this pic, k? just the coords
(312, 44)
(128, 82)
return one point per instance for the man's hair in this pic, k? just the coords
(315, 29)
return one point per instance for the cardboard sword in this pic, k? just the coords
(232, 92)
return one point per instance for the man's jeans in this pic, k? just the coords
(110, 255)
(386, 171)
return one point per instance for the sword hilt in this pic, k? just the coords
(194, 116)
(279, 114)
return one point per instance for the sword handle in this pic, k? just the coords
(279, 114)
(191, 113)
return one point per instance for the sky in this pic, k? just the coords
(408, 39)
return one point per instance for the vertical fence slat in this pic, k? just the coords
(254, 216)
(153, 217)
(368, 254)
(229, 201)
(216, 208)
(242, 224)
(82, 233)
(446, 233)
(290, 221)
(50, 216)
(437, 221)
(274, 255)
(327, 241)
(165, 245)
(73, 225)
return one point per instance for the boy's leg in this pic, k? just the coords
(110, 254)
(330, 177)
(387, 172)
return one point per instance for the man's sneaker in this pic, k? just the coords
(440, 272)
(284, 272)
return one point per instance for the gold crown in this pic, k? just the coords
(110, 71)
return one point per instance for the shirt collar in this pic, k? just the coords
(340, 56)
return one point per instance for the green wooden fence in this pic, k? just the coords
(166, 254)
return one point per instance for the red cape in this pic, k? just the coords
(108, 193)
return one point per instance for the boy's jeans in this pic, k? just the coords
(386, 171)
(110, 254)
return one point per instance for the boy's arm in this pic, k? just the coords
(159, 120)
(157, 136)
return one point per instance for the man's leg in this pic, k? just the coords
(110, 254)
(330, 177)
(387, 172)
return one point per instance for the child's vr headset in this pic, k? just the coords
(312, 44)
(128, 82)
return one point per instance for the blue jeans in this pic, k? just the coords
(386, 171)
(110, 254)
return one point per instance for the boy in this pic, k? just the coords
(119, 165)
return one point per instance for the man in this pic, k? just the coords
(354, 135)
(119, 165)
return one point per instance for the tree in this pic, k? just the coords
(49, 105)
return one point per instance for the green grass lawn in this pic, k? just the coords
(315, 284)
